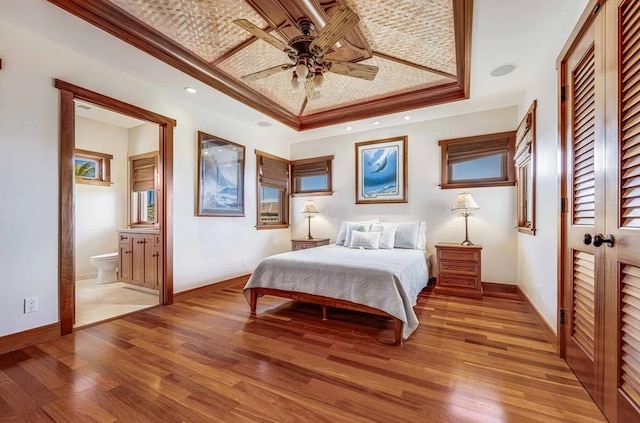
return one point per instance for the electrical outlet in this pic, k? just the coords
(30, 304)
(539, 292)
(244, 263)
(447, 209)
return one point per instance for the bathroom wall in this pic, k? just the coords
(100, 210)
(143, 139)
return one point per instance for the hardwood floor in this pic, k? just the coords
(205, 360)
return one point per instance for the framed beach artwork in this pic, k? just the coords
(381, 171)
(220, 177)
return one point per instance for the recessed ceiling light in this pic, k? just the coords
(264, 124)
(407, 117)
(190, 90)
(376, 122)
(503, 70)
(348, 128)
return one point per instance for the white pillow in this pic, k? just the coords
(354, 227)
(366, 240)
(411, 235)
(388, 234)
(342, 233)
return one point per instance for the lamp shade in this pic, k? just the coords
(465, 202)
(310, 207)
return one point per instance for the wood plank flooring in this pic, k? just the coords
(205, 360)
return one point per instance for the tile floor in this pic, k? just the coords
(97, 302)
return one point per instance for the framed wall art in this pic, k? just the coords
(381, 171)
(220, 177)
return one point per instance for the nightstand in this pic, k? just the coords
(458, 270)
(303, 243)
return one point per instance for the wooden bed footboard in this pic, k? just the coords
(324, 302)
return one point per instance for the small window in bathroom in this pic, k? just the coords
(91, 167)
(144, 189)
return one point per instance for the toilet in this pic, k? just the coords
(107, 265)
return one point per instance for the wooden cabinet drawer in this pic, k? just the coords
(459, 267)
(124, 238)
(458, 255)
(457, 281)
(304, 244)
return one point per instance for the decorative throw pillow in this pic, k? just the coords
(388, 234)
(342, 233)
(408, 235)
(366, 240)
(422, 236)
(354, 227)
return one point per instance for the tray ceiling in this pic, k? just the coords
(421, 50)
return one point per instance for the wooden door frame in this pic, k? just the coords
(66, 240)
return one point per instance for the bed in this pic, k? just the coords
(385, 282)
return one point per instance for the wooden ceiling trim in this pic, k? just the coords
(119, 23)
(462, 17)
(415, 65)
(112, 19)
(386, 105)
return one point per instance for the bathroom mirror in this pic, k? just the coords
(144, 189)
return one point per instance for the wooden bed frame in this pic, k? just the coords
(324, 302)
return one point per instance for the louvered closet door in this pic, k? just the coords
(583, 212)
(623, 215)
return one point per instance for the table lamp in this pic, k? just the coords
(309, 208)
(464, 203)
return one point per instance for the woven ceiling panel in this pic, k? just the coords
(392, 27)
(260, 55)
(204, 27)
(392, 78)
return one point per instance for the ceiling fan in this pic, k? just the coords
(307, 53)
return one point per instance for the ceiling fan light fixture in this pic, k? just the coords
(302, 70)
(318, 80)
(295, 82)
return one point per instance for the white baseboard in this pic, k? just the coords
(81, 276)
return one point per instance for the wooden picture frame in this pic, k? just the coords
(381, 171)
(220, 177)
(92, 168)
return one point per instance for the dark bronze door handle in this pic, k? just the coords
(598, 240)
(586, 238)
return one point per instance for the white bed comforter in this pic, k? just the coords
(388, 280)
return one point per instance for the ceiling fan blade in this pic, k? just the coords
(338, 25)
(263, 35)
(310, 89)
(355, 70)
(266, 72)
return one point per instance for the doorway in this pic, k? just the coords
(70, 93)
(109, 188)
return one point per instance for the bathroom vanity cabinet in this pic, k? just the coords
(139, 258)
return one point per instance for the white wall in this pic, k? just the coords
(538, 255)
(492, 225)
(100, 210)
(205, 249)
(143, 139)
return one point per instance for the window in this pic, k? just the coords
(273, 191)
(92, 168)
(480, 161)
(143, 178)
(525, 171)
(311, 176)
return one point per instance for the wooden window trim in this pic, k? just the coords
(284, 201)
(527, 226)
(132, 159)
(104, 165)
(329, 191)
(477, 183)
